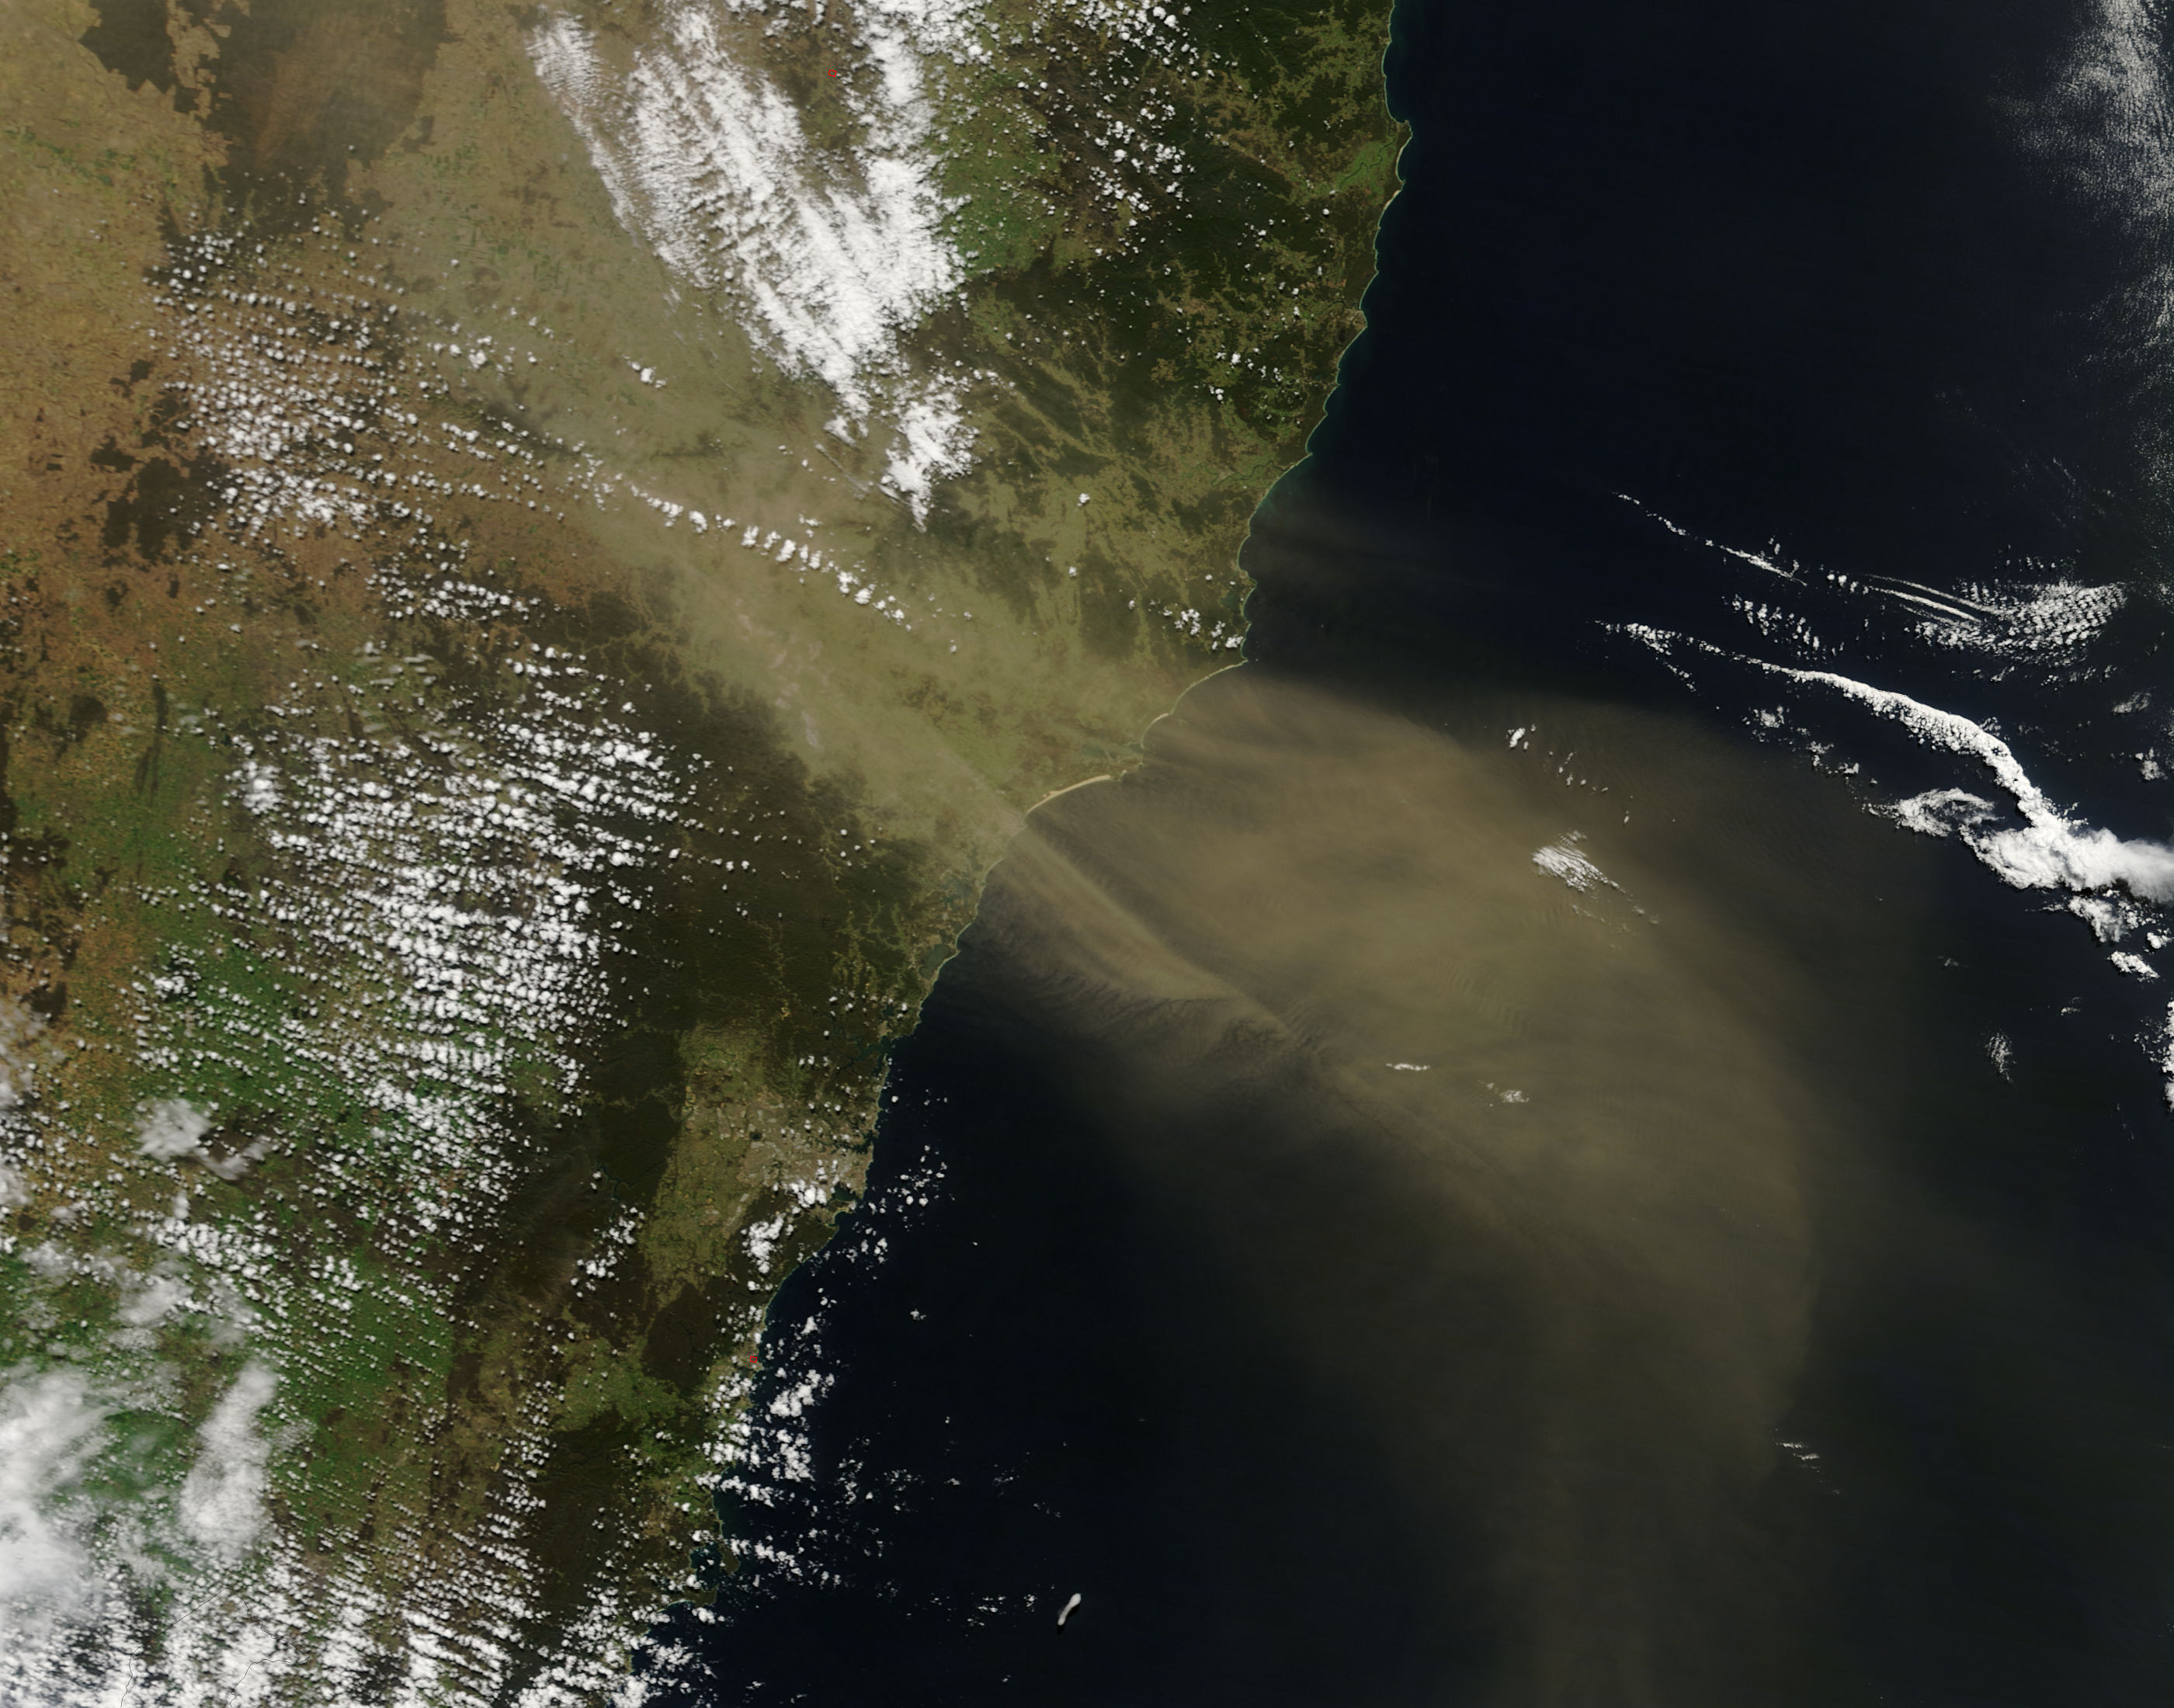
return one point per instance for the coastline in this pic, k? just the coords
(539, 804)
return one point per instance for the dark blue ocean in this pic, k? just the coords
(1780, 399)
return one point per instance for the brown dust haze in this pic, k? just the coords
(1530, 1085)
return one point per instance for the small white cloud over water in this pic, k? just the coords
(2114, 881)
(2103, 121)
(2049, 849)
(2053, 618)
(2110, 917)
(1563, 860)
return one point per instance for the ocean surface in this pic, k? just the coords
(1593, 1128)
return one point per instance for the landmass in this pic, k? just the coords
(546, 551)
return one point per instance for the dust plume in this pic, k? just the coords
(1475, 1057)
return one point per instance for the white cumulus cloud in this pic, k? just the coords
(172, 1127)
(50, 1426)
(830, 256)
(222, 1500)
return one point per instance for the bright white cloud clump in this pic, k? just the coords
(51, 1427)
(831, 257)
(2049, 850)
(1563, 860)
(223, 1501)
(172, 1128)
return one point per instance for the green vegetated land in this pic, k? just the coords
(491, 766)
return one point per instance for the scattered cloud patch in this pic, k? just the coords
(51, 1427)
(156, 1300)
(222, 1500)
(172, 1127)
(832, 256)
(1563, 860)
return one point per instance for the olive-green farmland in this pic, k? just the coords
(519, 641)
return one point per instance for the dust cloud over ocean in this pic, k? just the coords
(1592, 1126)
